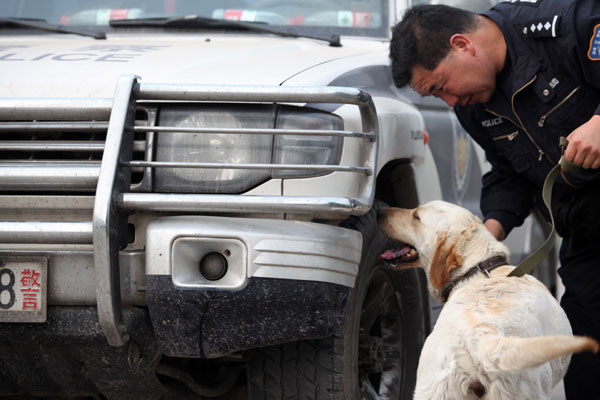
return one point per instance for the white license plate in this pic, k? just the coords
(23, 289)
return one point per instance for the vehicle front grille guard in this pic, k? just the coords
(112, 177)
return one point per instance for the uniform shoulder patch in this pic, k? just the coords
(546, 27)
(594, 51)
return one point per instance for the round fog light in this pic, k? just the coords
(213, 266)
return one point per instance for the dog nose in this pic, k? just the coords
(477, 388)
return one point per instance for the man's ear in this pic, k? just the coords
(461, 43)
(445, 259)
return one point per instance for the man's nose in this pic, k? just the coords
(450, 99)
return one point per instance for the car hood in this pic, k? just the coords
(68, 66)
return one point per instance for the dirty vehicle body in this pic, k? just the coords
(189, 193)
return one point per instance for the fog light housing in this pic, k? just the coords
(213, 266)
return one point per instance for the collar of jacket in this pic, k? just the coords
(524, 64)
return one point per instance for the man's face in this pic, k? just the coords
(460, 78)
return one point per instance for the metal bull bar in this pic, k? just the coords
(113, 195)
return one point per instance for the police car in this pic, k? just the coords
(189, 193)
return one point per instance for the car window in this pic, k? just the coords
(361, 18)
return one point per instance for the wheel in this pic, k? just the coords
(376, 352)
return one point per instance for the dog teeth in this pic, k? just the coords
(405, 253)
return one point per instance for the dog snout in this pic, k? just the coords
(390, 217)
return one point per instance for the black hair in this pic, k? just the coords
(422, 38)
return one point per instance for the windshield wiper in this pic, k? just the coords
(44, 26)
(194, 21)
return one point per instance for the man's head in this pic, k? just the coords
(447, 52)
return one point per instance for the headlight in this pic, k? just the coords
(309, 150)
(240, 148)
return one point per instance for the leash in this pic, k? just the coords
(534, 259)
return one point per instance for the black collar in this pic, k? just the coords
(484, 267)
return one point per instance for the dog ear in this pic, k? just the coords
(513, 354)
(445, 259)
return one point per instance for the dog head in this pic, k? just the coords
(449, 240)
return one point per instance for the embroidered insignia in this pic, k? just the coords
(461, 165)
(594, 51)
(543, 28)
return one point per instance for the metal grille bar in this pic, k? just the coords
(46, 232)
(295, 167)
(225, 203)
(238, 131)
(53, 127)
(55, 109)
(74, 145)
(45, 176)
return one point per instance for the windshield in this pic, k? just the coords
(471, 5)
(342, 17)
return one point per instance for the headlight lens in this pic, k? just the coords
(309, 150)
(213, 148)
(240, 148)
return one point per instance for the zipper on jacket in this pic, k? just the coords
(543, 118)
(520, 124)
(510, 136)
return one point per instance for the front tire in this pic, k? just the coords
(375, 353)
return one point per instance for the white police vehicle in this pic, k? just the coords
(189, 192)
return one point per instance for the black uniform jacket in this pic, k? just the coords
(549, 86)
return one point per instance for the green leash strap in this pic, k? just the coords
(534, 259)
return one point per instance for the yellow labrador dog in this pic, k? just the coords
(496, 337)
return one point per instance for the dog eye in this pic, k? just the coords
(416, 216)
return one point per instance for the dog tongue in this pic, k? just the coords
(394, 254)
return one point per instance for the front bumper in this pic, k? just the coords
(102, 226)
(286, 280)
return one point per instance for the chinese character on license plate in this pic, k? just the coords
(23, 289)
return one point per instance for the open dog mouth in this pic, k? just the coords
(400, 254)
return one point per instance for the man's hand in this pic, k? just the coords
(584, 144)
(495, 228)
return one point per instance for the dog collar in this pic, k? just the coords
(484, 267)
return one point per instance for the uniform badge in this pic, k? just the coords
(462, 162)
(594, 51)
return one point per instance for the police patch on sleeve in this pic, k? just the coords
(594, 51)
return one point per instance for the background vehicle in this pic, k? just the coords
(189, 192)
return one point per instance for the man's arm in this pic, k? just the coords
(584, 142)
(495, 228)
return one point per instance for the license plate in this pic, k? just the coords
(23, 289)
